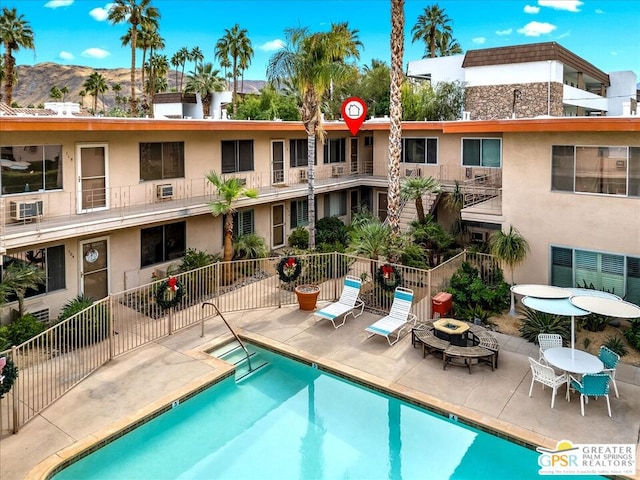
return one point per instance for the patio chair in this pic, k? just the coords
(348, 303)
(592, 385)
(610, 359)
(548, 340)
(546, 376)
(399, 317)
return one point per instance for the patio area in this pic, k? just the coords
(153, 375)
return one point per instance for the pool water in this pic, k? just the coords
(292, 421)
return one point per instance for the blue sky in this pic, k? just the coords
(75, 32)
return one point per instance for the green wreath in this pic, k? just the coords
(170, 293)
(289, 269)
(9, 375)
(388, 277)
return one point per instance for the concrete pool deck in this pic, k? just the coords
(150, 377)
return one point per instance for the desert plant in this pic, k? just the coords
(196, 259)
(594, 322)
(586, 342)
(299, 238)
(75, 306)
(616, 344)
(86, 328)
(249, 246)
(535, 323)
(633, 334)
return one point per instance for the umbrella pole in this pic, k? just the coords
(573, 340)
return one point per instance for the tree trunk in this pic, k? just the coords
(9, 62)
(395, 114)
(227, 254)
(420, 209)
(311, 155)
(134, 103)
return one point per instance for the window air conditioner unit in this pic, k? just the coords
(337, 170)
(303, 175)
(26, 210)
(164, 191)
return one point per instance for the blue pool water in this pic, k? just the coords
(291, 421)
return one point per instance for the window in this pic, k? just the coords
(298, 153)
(50, 260)
(30, 168)
(243, 223)
(335, 204)
(420, 150)
(335, 150)
(600, 170)
(614, 273)
(481, 152)
(237, 156)
(368, 141)
(162, 243)
(161, 160)
(299, 213)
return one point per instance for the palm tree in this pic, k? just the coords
(415, 188)
(158, 66)
(230, 190)
(431, 26)
(196, 56)
(55, 93)
(310, 63)
(148, 40)
(95, 85)
(19, 277)
(135, 14)
(64, 91)
(82, 94)
(204, 81)
(448, 46)
(15, 32)
(236, 48)
(175, 62)
(117, 88)
(395, 115)
(509, 248)
(182, 57)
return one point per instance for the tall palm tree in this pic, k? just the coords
(82, 94)
(395, 115)
(148, 40)
(310, 63)
(64, 91)
(135, 13)
(158, 67)
(230, 190)
(95, 85)
(15, 33)
(431, 26)
(183, 56)
(117, 88)
(415, 188)
(511, 249)
(19, 277)
(196, 56)
(236, 48)
(204, 81)
(447, 45)
(55, 93)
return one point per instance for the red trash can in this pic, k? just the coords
(442, 304)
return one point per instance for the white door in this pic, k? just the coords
(94, 272)
(92, 177)
(277, 225)
(353, 160)
(277, 161)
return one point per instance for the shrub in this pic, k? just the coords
(594, 322)
(616, 345)
(633, 334)
(299, 238)
(196, 259)
(74, 306)
(249, 246)
(87, 328)
(536, 322)
(332, 230)
(23, 328)
(470, 291)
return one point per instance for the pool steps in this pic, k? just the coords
(233, 353)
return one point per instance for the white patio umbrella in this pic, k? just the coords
(610, 307)
(536, 291)
(557, 306)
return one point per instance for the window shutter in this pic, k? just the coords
(632, 291)
(587, 269)
(561, 267)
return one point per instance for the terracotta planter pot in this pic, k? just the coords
(307, 296)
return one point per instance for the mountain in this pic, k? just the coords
(36, 81)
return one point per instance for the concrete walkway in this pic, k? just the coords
(146, 379)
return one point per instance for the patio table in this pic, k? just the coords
(573, 361)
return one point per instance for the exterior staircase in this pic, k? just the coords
(408, 212)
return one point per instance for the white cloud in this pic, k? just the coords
(479, 40)
(276, 44)
(568, 5)
(504, 32)
(101, 13)
(531, 9)
(535, 29)
(95, 53)
(58, 3)
(614, 54)
(599, 11)
(65, 55)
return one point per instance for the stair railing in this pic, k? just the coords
(246, 352)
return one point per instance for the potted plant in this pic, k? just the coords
(307, 296)
(289, 269)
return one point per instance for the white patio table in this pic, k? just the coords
(573, 361)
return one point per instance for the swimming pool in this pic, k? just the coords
(293, 421)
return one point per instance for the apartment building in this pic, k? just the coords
(102, 203)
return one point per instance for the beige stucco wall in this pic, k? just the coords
(548, 218)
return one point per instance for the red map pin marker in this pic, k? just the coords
(354, 111)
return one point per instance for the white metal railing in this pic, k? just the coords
(58, 359)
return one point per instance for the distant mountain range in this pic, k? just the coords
(35, 83)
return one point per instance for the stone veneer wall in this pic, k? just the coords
(496, 101)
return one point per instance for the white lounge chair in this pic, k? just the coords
(348, 303)
(399, 317)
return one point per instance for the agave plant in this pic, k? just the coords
(535, 322)
(616, 344)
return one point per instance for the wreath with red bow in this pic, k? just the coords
(289, 269)
(170, 293)
(8, 375)
(388, 277)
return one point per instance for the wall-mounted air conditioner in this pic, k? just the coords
(164, 191)
(337, 170)
(26, 210)
(303, 175)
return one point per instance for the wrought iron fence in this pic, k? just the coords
(52, 363)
